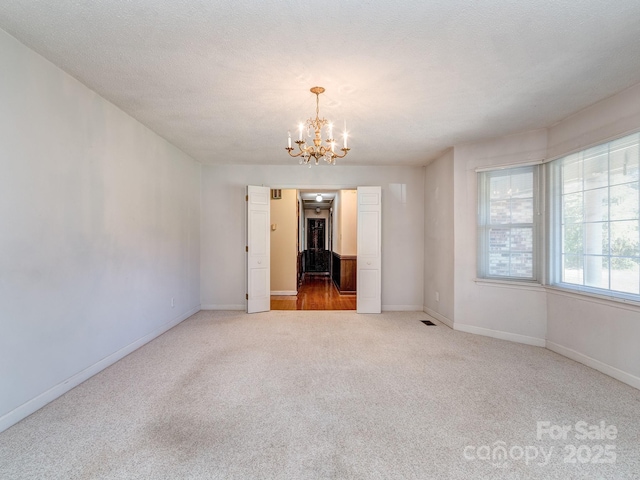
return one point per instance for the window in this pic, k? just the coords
(507, 218)
(595, 235)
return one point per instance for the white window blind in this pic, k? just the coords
(507, 219)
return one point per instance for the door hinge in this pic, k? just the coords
(246, 296)
(246, 198)
(246, 249)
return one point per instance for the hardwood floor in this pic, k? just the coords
(316, 293)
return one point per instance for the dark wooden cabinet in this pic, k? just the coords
(344, 272)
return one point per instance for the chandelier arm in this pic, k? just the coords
(304, 149)
(345, 150)
(301, 152)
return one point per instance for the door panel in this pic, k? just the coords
(368, 282)
(259, 252)
(369, 222)
(369, 246)
(259, 283)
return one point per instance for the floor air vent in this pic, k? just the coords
(428, 322)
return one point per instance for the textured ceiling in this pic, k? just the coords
(225, 80)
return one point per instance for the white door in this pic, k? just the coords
(369, 276)
(258, 250)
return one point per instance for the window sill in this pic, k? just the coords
(609, 300)
(518, 284)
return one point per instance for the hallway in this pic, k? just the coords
(316, 293)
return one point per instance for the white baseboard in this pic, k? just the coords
(31, 406)
(401, 308)
(439, 317)
(224, 307)
(287, 293)
(512, 337)
(605, 368)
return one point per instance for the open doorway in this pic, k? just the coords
(368, 243)
(325, 249)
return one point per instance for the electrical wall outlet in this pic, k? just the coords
(437, 296)
(173, 304)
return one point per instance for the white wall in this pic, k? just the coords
(602, 334)
(100, 229)
(223, 227)
(609, 118)
(439, 238)
(514, 313)
(598, 333)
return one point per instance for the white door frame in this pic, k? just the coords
(327, 187)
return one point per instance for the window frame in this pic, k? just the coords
(554, 239)
(484, 224)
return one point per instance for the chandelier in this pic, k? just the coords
(317, 150)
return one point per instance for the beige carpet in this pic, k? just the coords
(328, 395)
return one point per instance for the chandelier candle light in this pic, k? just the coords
(317, 150)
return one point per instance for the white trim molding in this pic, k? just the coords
(282, 293)
(233, 307)
(605, 368)
(441, 318)
(512, 337)
(401, 308)
(36, 403)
